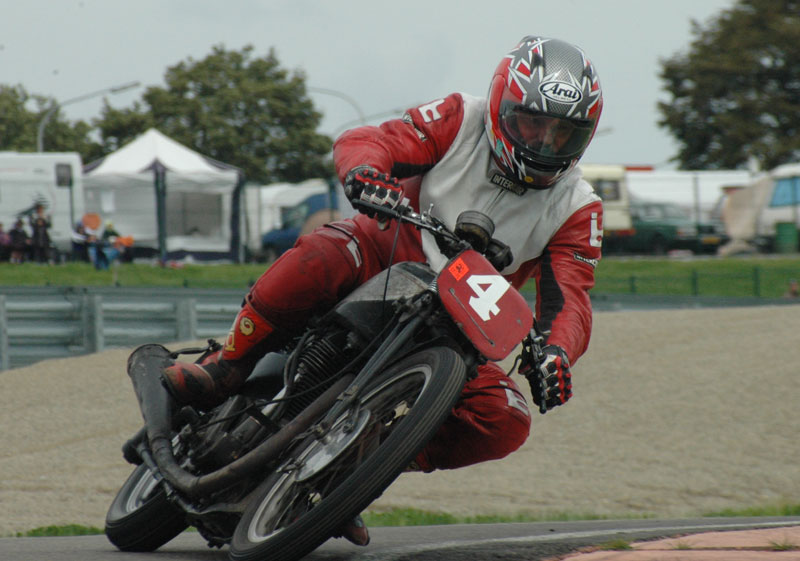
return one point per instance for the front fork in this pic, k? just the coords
(409, 320)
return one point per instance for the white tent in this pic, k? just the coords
(168, 197)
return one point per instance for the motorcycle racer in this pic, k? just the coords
(512, 156)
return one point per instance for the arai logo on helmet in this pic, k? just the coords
(560, 92)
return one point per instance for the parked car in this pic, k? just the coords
(295, 221)
(660, 227)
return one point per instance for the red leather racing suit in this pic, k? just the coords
(441, 152)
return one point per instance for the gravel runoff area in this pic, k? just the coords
(676, 413)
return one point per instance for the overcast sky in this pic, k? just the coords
(386, 56)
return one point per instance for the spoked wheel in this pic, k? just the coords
(329, 480)
(140, 518)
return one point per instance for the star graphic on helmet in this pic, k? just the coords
(522, 57)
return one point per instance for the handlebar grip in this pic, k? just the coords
(379, 209)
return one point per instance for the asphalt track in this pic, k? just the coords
(484, 542)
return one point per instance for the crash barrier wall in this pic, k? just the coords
(38, 323)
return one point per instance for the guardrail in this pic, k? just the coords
(38, 323)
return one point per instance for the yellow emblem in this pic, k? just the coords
(246, 327)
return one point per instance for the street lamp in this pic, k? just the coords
(343, 96)
(56, 106)
(365, 119)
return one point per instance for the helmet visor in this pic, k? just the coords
(543, 136)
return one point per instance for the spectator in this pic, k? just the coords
(40, 238)
(20, 241)
(116, 245)
(109, 247)
(80, 243)
(5, 244)
(97, 255)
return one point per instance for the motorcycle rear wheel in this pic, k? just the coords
(140, 518)
(327, 482)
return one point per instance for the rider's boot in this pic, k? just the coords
(220, 374)
(355, 531)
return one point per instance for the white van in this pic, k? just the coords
(52, 178)
(610, 184)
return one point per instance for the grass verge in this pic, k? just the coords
(755, 276)
(414, 517)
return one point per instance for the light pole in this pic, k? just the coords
(361, 119)
(345, 97)
(56, 106)
(365, 119)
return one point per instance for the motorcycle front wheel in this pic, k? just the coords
(140, 518)
(329, 480)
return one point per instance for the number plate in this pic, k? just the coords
(484, 305)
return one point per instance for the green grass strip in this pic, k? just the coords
(414, 517)
(54, 531)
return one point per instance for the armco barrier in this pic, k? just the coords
(38, 323)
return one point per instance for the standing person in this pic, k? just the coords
(80, 243)
(20, 242)
(512, 156)
(40, 237)
(5, 244)
(110, 238)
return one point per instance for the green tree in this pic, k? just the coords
(119, 126)
(236, 108)
(735, 94)
(20, 115)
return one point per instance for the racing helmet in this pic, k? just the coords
(543, 106)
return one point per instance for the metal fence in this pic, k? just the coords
(38, 323)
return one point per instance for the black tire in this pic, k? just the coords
(658, 245)
(140, 518)
(292, 512)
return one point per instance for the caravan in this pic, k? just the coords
(51, 178)
(764, 215)
(610, 184)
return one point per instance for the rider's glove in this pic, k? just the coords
(552, 381)
(367, 184)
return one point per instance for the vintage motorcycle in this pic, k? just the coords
(319, 431)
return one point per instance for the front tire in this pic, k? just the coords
(140, 518)
(325, 483)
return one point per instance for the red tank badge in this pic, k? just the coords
(458, 269)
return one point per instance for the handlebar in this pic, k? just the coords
(473, 229)
(423, 221)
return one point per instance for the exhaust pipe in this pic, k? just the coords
(144, 367)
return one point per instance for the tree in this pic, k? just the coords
(119, 126)
(19, 125)
(735, 94)
(236, 108)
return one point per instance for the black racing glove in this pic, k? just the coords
(550, 379)
(369, 185)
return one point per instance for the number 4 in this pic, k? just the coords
(488, 291)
